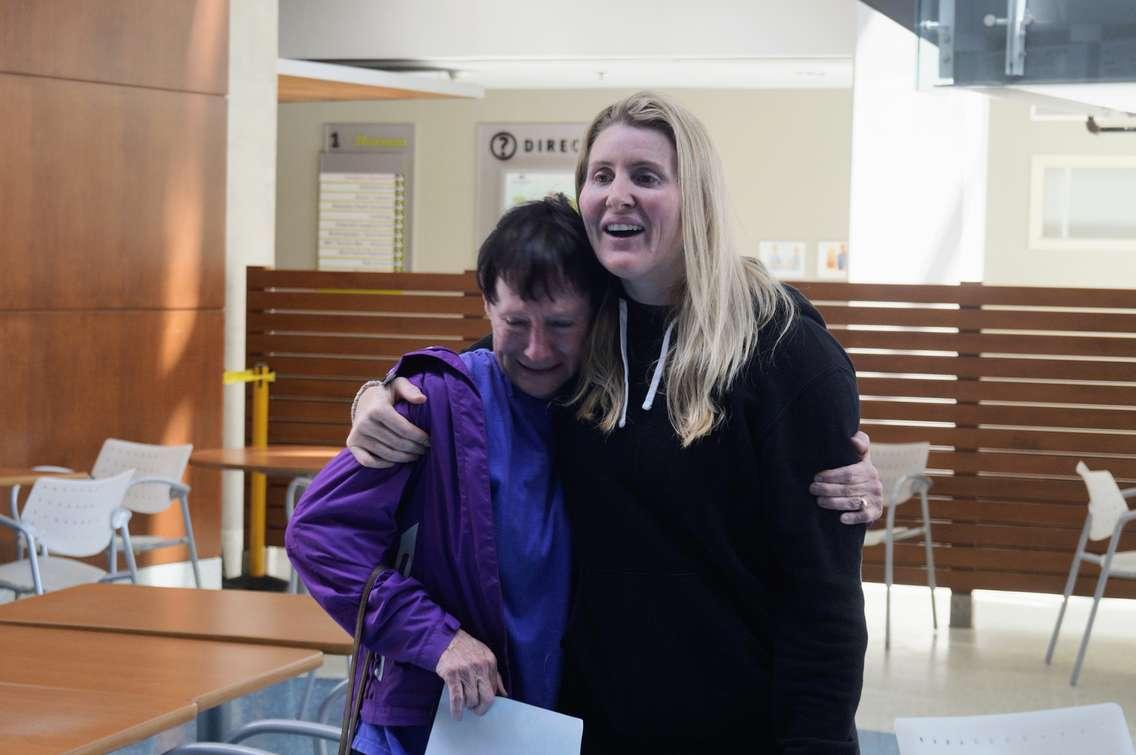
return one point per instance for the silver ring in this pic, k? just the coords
(863, 503)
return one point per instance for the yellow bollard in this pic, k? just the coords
(260, 377)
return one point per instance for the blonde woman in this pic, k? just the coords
(716, 607)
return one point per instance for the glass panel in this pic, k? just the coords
(1102, 203)
(1064, 41)
(1055, 210)
(1089, 202)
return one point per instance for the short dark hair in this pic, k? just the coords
(539, 248)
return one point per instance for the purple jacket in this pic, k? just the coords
(432, 522)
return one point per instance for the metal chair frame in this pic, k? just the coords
(902, 489)
(180, 491)
(1106, 570)
(113, 455)
(921, 484)
(319, 732)
(296, 488)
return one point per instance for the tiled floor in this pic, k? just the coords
(999, 665)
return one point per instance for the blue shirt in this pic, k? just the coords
(533, 548)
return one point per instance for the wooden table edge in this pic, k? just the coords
(343, 648)
(310, 662)
(8, 480)
(204, 459)
(135, 734)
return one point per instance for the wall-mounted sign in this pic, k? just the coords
(366, 171)
(520, 162)
(367, 137)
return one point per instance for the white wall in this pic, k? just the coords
(1014, 139)
(918, 167)
(786, 156)
(398, 29)
(250, 221)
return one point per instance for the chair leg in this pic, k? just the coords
(297, 486)
(128, 553)
(888, 548)
(184, 500)
(1074, 568)
(326, 707)
(309, 684)
(1089, 627)
(112, 555)
(14, 505)
(33, 561)
(930, 556)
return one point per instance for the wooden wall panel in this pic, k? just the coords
(982, 373)
(112, 233)
(72, 379)
(168, 44)
(113, 196)
(1013, 387)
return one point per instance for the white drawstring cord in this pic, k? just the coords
(650, 400)
(623, 353)
(660, 366)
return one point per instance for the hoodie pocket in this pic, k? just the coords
(665, 655)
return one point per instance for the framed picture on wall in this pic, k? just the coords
(785, 259)
(832, 260)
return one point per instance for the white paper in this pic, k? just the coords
(509, 728)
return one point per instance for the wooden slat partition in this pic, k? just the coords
(324, 333)
(1012, 386)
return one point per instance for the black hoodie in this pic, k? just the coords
(717, 607)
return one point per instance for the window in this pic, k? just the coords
(1083, 202)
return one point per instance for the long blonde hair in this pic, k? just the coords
(720, 305)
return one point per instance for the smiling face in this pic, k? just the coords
(631, 204)
(538, 343)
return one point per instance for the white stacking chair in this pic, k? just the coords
(63, 520)
(1107, 516)
(14, 491)
(1085, 730)
(902, 467)
(14, 499)
(157, 482)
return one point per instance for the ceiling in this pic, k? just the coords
(307, 81)
(590, 43)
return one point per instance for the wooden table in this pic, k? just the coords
(247, 616)
(274, 461)
(51, 720)
(10, 476)
(298, 462)
(199, 672)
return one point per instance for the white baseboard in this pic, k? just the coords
(180, 574)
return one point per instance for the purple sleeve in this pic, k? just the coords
(343, 527)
